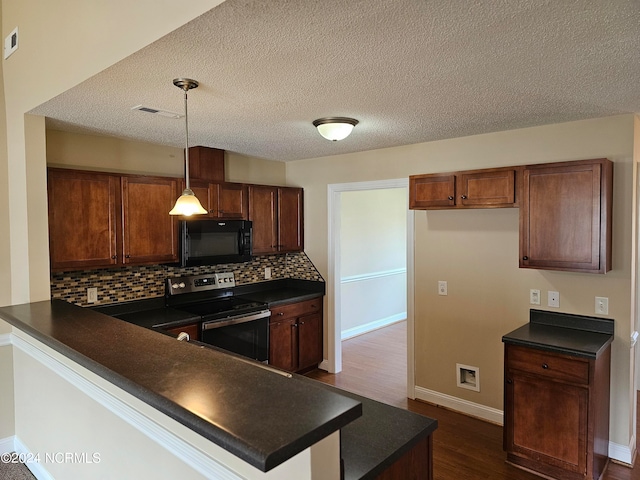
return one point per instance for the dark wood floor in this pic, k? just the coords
(464, 448)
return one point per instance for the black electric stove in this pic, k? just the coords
(235, 324)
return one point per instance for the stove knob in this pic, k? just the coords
(182, 285)
(174, 286)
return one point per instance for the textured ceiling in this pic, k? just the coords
(409, 70)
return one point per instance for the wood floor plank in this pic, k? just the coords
(464, 448)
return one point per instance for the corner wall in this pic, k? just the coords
(476, 251)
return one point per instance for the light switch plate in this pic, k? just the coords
(11, 43)
(602, 305)
(92, 295)
(442, 287)
(534, 297)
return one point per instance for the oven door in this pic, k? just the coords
(246, 335)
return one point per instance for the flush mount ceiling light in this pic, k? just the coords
(335, 128)
(187, 204)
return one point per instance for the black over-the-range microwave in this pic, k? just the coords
(209, 242)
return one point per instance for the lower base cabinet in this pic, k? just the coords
(193, 329)
(557, 412)
(295, 335)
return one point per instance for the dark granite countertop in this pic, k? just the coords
(152, 313)
(241, 404)
(383, 434)
(577, 335)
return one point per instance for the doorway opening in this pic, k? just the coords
(370, 264)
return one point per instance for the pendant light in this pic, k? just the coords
(187, 204)
(335, 128)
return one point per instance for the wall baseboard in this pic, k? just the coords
(36, 468)
(376, 324)
(324, 365)
(489, 414)
(623, 453)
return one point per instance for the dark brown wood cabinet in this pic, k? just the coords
(222, 200)
(556, 412)
(277, 216)
(565, 216)
(100, 220)
(487, 188)
(295, 335)
(206, 163)
(83, 219)
(150, 234)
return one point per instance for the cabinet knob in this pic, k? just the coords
(509, 381)
(113, 257)
(280, 314)
(127, 256)
(450, 197)
(545, 366)
(294, 325)
(464, 197)
(525, 258)
(301, 323)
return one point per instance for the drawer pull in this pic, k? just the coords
(280, 313)
(545, 366)
(450, 197)
(463, 197)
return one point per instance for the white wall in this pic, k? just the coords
(373, 259)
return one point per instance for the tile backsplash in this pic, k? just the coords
(124, 284)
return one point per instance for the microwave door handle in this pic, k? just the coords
(241, 241)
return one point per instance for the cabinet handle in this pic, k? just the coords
(280, 314)
(525, 258)
(450, 197)
(545, 366)
(464, 197)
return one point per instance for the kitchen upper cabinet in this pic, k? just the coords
(222, 200)
(295, 335)
(276, 213)
(150, 234)
(556, 412)
(206, 164)
(83, 219)
(487, 188)
(565, 216)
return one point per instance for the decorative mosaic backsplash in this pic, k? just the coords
(136, 283)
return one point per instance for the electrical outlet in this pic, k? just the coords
(602, 305)
(442, 287)
(92, 295)
(534, 297)
(553, 299)
(267, 273)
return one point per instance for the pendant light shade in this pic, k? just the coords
(187, 204)
(335, 128)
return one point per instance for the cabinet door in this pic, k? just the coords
(206, 163)
(435, 190)
(309, 341)
(283, 343)
(150, 234)
(82, 219)
(546, 422)
(232, 200)
(494, 188)
(208, 198)
(290, 220)
(263, 203)
(565, 217)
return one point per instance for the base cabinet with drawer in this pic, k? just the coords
(556, 412)
(295, 335)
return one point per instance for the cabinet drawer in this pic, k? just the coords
(296, 309)
(560, 367)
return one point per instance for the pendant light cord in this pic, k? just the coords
(186, 149)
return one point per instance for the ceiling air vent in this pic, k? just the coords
(163, 113)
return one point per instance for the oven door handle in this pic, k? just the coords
(235, 320)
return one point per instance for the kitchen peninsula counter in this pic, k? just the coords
(241, 406)
(259, 415)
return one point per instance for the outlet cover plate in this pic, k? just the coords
(602, 305)
(553, 299)
(442, 287)
(534, 297)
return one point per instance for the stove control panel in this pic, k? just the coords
(200, 283)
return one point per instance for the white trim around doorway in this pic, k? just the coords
(334, 322)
